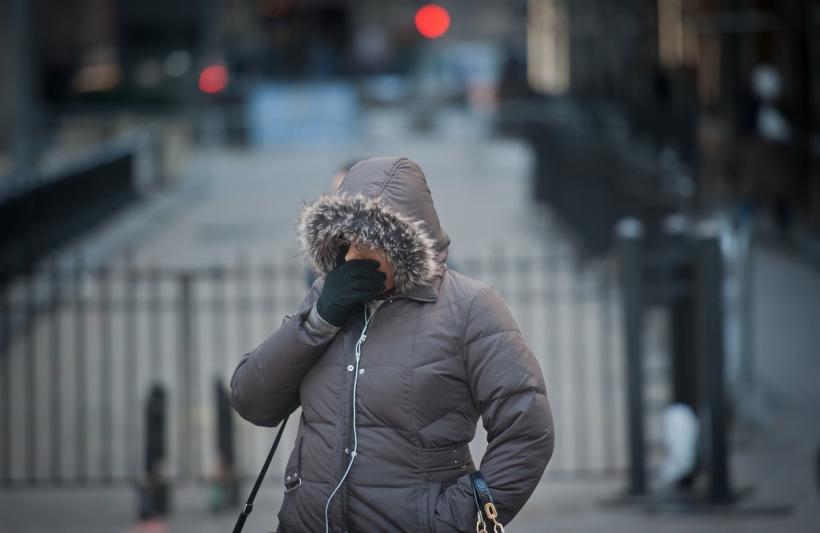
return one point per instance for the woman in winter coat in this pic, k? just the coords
(393, 357)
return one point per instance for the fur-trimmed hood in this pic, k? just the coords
(386, 203)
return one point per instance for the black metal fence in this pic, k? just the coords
(592, 168)
(82, 346)
(686, 276)
(61, 204)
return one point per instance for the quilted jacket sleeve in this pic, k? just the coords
(508, 387)
(265, 383)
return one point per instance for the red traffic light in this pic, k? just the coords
(213, 79)
(432, 21)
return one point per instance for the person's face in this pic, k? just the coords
(362, 251)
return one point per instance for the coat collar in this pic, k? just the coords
(428, 292)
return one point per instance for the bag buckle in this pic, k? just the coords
(292, 482)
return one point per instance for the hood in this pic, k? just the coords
(384, 202)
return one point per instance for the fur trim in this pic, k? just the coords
(404, 240)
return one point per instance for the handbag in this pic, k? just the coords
(485, 505)
(246, 510)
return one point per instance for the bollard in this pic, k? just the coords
(154, 493)
(709, 339)
(225, 486)
(629, 232)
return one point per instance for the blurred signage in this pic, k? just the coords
(302, 114)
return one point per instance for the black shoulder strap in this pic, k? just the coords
(484, 504)
(240, 521)
(481, 491)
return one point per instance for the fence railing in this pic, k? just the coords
(81, 348)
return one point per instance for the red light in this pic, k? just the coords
(213, 79)
(432, 21)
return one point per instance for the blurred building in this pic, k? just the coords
(79, 67)
(733, 86)
(729, 87)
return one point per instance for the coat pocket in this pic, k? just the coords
(446, 465)
(293, 480)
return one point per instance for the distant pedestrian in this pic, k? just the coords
(393, 358)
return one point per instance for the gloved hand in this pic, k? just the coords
(349, 284)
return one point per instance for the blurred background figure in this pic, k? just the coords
(640, 180)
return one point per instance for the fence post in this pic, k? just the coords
(709, 317)
(629, 232)
(681, 308)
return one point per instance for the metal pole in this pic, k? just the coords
(629, 232)
(709, 307)
(684, 367)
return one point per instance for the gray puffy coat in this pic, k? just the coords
(441, 351)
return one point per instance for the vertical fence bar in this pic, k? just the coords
(563, 297)
(579, 367)
(242, 291)
(30, 325)
(155, 377)
(81, 432)
(186, 373)
(7, 276)
(155, 327)
(709, 297)
(131, 368)
(218, 330)
(243, 282)
(55, 376)
(106, 375)
(524, 289)
(219, 326)
(630, 232)
(553, 368)
(607, 390)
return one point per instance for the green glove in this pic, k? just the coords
(349, 284)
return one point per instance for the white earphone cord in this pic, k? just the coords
(353, 452)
